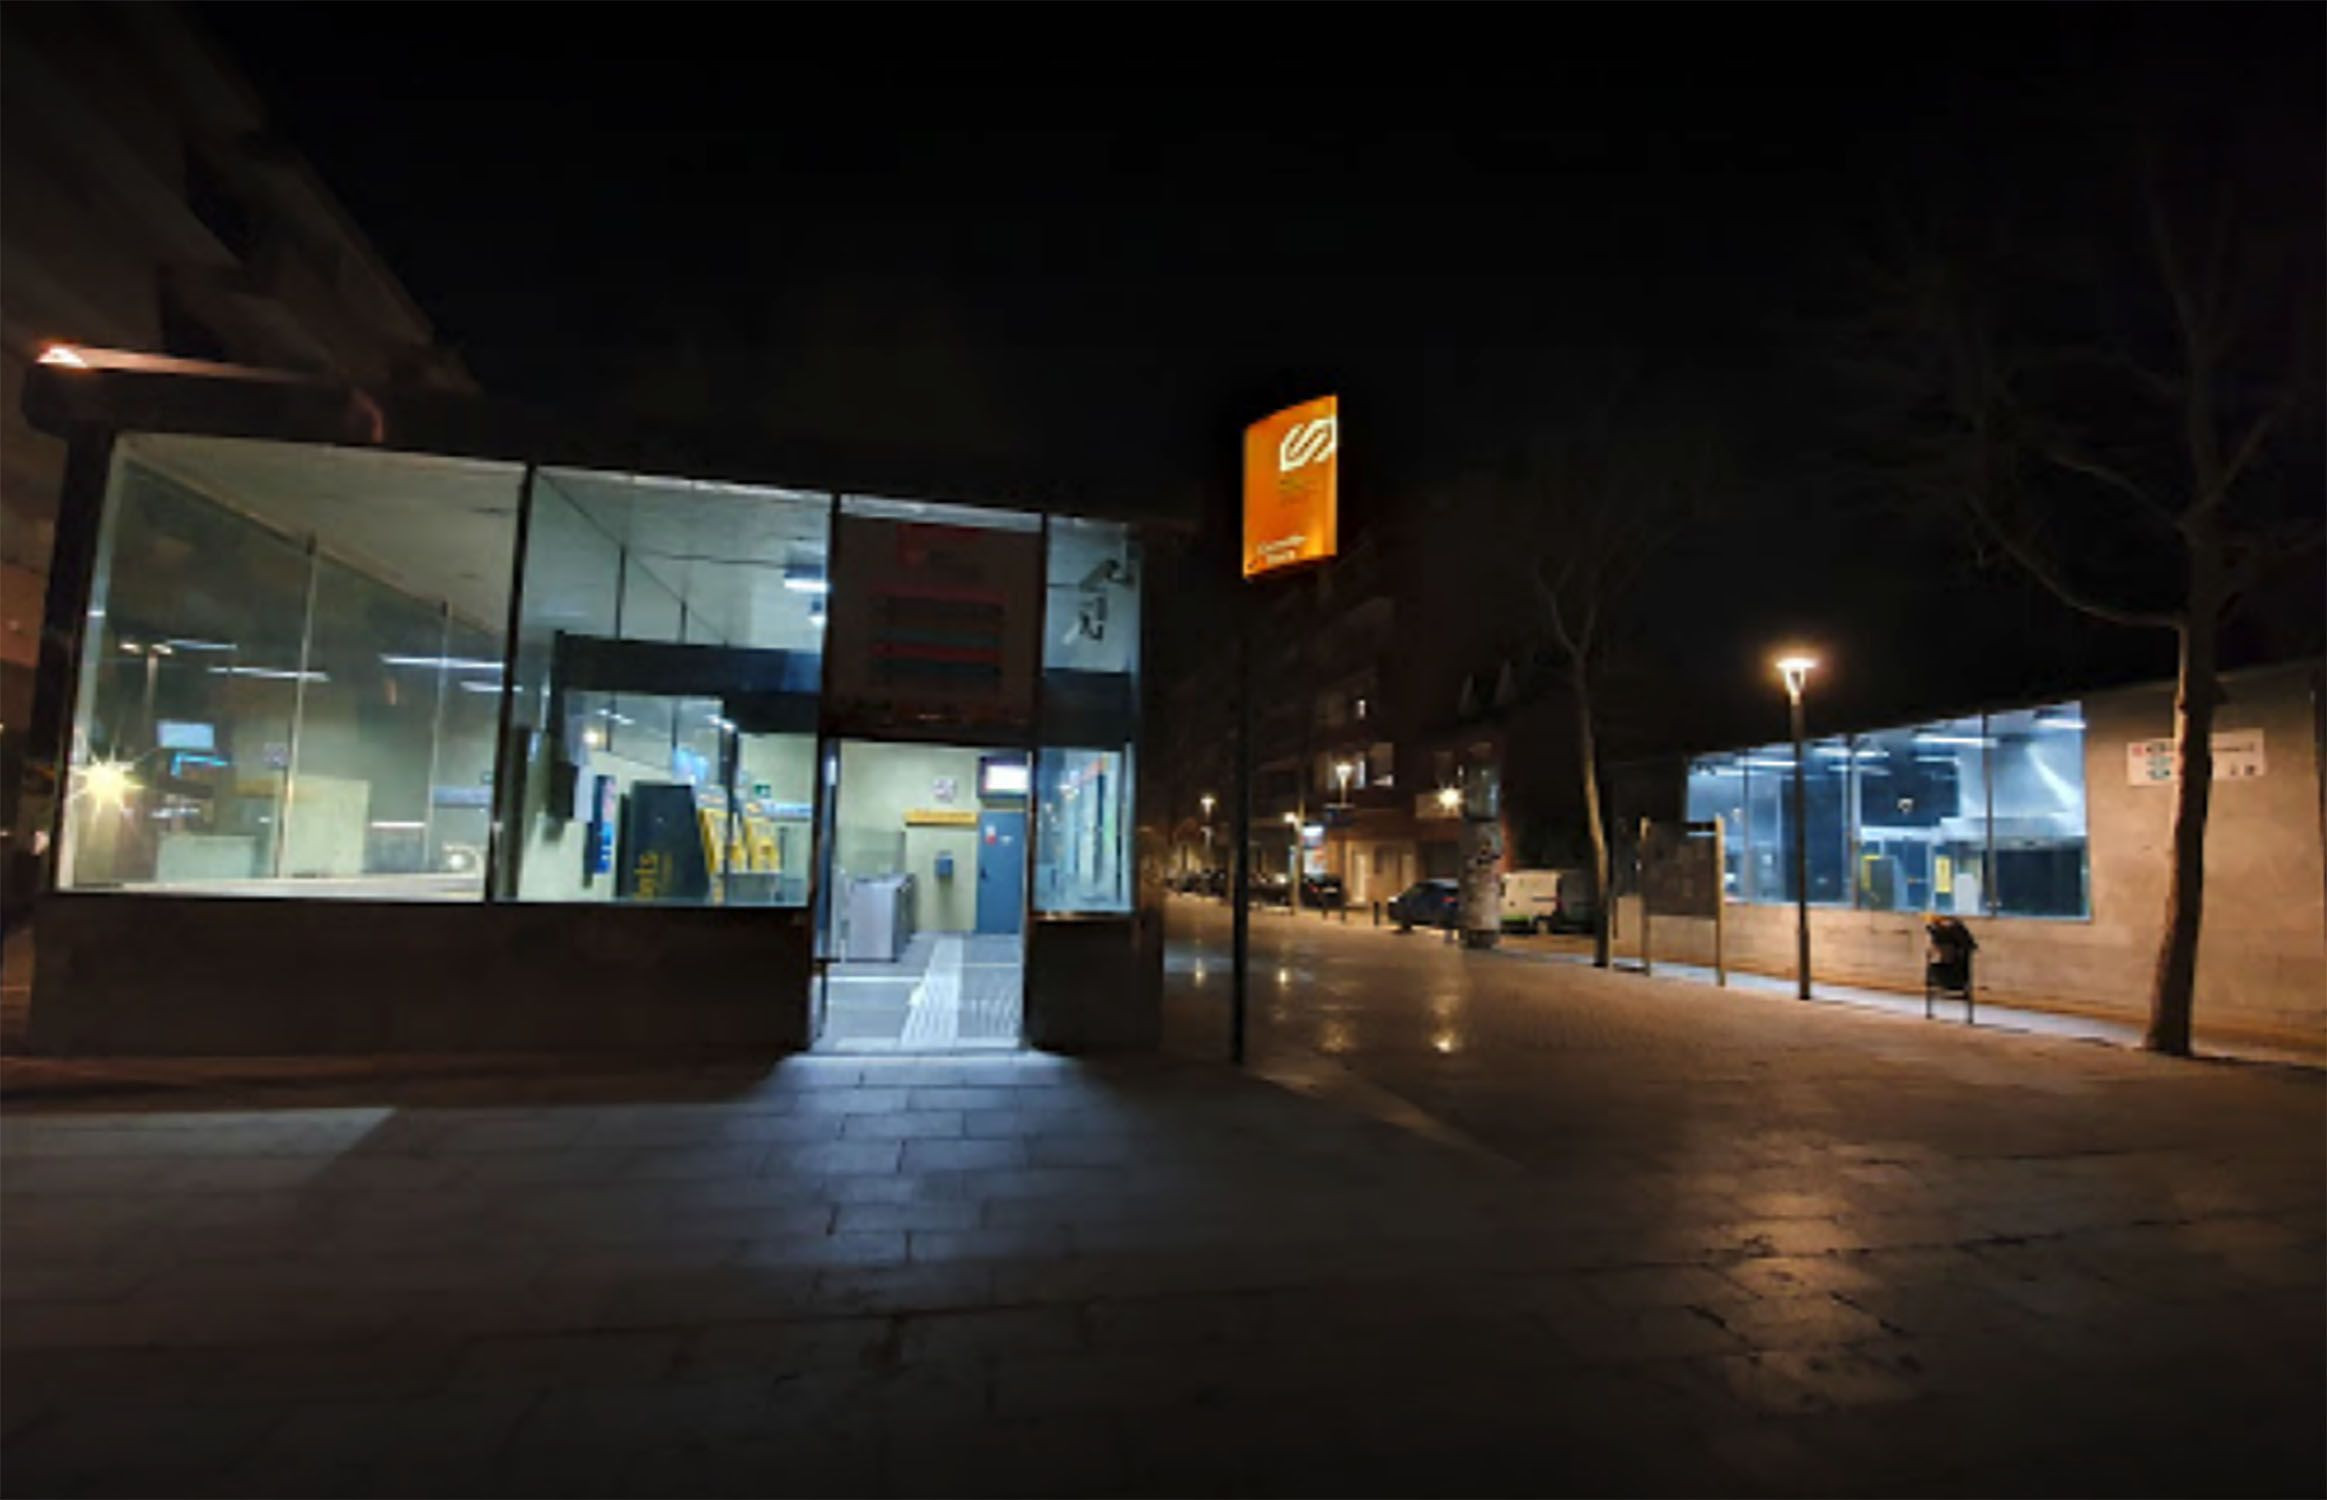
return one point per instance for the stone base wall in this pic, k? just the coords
(192, 976)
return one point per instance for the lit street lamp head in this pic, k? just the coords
(1796, 668)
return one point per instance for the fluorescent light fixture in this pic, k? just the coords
(480, 687)
(451, 663)
(1972, 740)
(202, 645)
(387, 825)
(272, 674)
(64, 356)
(801, 579)
(2075, 724)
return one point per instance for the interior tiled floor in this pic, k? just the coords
(949, 991)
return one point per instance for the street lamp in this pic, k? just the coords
(1796, 669)
(1344, 770)
(1207, 800)
(1293, 862)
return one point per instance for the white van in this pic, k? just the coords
(1547, 901)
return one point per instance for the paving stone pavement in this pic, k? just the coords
(1472, 1226)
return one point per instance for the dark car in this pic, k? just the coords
(1427, 903)
(1323, 892)
(1271, 890)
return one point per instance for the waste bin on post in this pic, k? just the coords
(1947, 964)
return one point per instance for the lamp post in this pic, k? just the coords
(1796, 669)
(1207, 800)
(1343, 770)
(1292, 863)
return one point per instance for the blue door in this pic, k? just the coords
(1001, 870)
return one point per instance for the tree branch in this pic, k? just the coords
(2043, 569)
(2068, 458)
(2248, 446)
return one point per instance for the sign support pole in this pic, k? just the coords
(1240, 806)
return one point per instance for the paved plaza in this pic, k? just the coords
(1474, 1223)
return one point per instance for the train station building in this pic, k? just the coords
(419, 723)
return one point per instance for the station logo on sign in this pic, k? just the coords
(1292, 479)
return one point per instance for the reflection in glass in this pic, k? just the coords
(264, 701)
(1716, 792)
(1082, 851)
(668, 663)
(2038, 827)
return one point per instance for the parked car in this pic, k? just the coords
(1548, 901)
(1323, 892)
(1427, 903)
(1271, 890)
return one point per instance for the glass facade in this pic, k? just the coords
(1090, 719)
(1983, 815)
(291, 672)
(669, 656)
(298, 679)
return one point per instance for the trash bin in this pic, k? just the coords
(1947, 963)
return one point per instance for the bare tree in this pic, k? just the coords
(2111, 432)
(1582, 513)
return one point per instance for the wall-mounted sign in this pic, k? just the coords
(931, 625)
(1292, 487)
(2238, 756)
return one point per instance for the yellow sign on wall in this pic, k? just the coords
(1292, 487)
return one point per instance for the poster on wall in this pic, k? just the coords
(2238, 756)
(932, 626)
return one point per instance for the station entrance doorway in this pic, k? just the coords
(922, 905)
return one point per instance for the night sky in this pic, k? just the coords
(1098, 239)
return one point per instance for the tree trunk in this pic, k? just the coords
(1588, 759)
(2174, 990)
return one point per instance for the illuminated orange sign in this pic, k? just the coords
(1292, 486)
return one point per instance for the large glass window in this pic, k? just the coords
(1969, 816)
(2038, 822)
(1922, 814)
(668, 665)
(1716, 793)
(277, 635)
(1082, 846)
